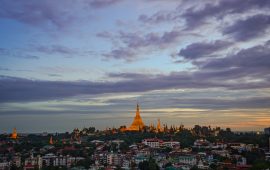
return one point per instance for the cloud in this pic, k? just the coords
(159, 17)
(54, 75)
(246, 69)
(37, 12)
(103, 3)
(18, 89)
(253, 58)
(197, 14)
(58, 14)
(136, 44)
(125, 54)
(4, 69)
(56, 49)
(18, 53)
(249, 28)
(195, 17)
(203, 49)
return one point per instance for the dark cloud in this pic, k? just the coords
(159, 17)
(195, 17)
(130, 75)
(246, 69)
(4, 69)
(59, 14)
(256, 57)
(218, 103)
(135, 40)
(103, 3)
(199, 12)
(56, 49)
(249, 28)
(18, 53)
(135, 44)
(16, 89)
(203, 49)
(54, 75)
(125, 54)
(37, 13)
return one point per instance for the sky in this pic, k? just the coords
(71, 64)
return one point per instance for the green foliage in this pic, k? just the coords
(148, 165)
(260, 165)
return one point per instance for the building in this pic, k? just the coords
(202, 143)
(157, 143)
(114, 159)
(171, 144)
(137, 123)
(4, 165)
(267, 131)
(33, 163)
(53, 160)
(187, 159)
(153, 142)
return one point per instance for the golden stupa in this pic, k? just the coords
(137, 123)
(159, 128)
(14, 134)
(51, 141)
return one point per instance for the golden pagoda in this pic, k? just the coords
(51, 141)
(14, 134)
(159, 128)
(137, 123)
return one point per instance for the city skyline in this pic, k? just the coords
(67, 64)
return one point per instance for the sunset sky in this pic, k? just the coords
(67, 64)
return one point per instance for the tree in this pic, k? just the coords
(148, 165)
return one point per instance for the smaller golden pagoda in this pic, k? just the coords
(14, 134)
(159, 128)
(51, 141)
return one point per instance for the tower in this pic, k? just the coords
(159, 128)
(137, 123)
(51, 141)
(14, 134)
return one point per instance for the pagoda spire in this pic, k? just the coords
(137, 124)
(138, 110)
(14, 134)
(51, 141)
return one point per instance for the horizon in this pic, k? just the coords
(67, 65)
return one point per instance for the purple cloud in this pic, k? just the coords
(249, 28)
(58, 14)
(250, 58)
(56, 49)
(199, 12)
(17, 53)
(134, 44)
(214, 75)
(222, 8)
(103, 3)
(202, 49)
(37, 13)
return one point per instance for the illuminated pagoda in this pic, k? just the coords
(137, 123)
(51, 141)
(14, 134)
(159, 128)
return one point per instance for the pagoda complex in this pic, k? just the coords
(137, 123)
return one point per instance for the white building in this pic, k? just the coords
(33, 162)
(4, 165)
(157, 143)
